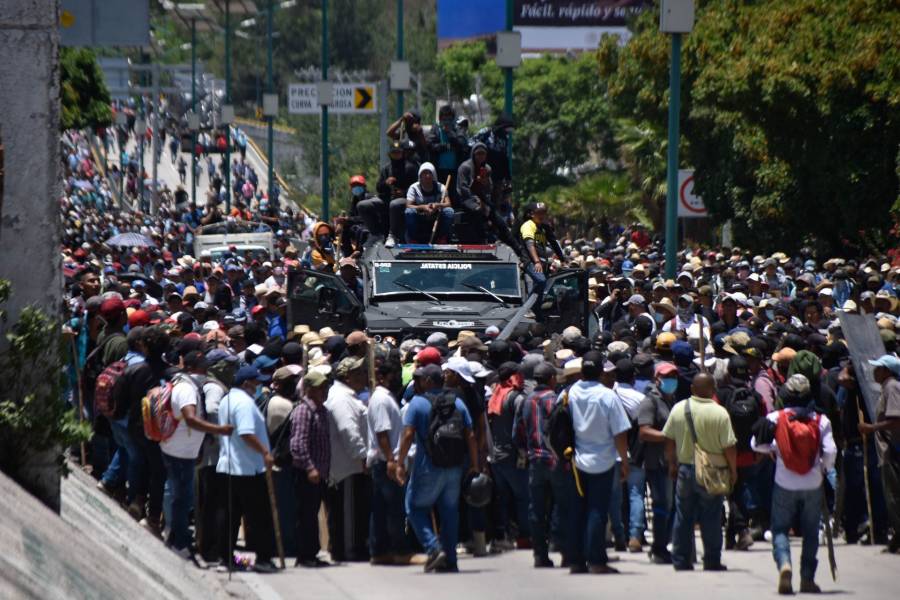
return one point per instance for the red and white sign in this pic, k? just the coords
(689, 205)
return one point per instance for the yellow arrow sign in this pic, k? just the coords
(362, 97)
(66, 19)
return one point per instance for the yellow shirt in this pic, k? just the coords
(530, 231)
(712, 423)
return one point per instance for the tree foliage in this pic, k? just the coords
(83, 92)
(790, 113)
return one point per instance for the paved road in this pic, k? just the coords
(865, 573)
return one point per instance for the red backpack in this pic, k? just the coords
(104, 389)
(798, 441)
(156, 409)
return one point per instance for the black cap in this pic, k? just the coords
(292, 353)
(432, 372)
(592, 364)
(624, 369)
(737, 368)
(544, 371)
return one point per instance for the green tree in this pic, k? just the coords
(84, 97)
(458, 65)
(791, 114)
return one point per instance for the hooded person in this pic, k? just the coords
(320, 254)
(426, 201)
(395, 179)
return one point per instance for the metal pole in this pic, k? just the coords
(400, 53)
(228, 101)
(193, 110)
(383, 92)
(154, 203)
(324, 112)
(270, 88)
(672, 158)
(508, 84)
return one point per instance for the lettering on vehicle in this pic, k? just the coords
(449, 266)
(453, 324)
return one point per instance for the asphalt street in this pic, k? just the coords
(864, 573)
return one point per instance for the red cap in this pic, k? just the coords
(112, 308)
(428, 356)
(80, 253)
(132, 303)
(358, 180)
(139, 318)
(664, 369)
(256, 309)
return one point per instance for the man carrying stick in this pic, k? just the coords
(887, 438)
(427, 198)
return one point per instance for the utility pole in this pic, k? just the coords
(325, 112)
(400, 54)
(675, 17)
(194, 115)
(270, 88)
(228, 103)
(508, 84)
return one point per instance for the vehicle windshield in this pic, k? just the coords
(446, 277)
(249, 253)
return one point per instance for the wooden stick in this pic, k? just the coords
(865, 444)
(702, 346)
(437, 216)
(275, 522)
(370, 358)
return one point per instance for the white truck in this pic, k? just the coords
(249, 239)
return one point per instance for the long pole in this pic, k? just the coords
(154, 202)
(270, 88)
(228, 102)
(194, 110)
(672, 157)
(508, 85)
(865, 443)
(399, 53)
(325, 112)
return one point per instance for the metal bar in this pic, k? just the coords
(194, 110)
(324, 112)
(508, 84)
(400, 53)
(227, 101)
(672, 157)
(270, 88)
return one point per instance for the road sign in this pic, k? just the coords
(347, 98)
(689, 205)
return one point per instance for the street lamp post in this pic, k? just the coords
(509, 56)
(324, 112)
(227, 103)
(270, 88)
(192, 124)
(400, 54)
(675, 17)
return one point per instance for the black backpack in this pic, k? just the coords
(743, 406)
(559, 432)
(446, 442)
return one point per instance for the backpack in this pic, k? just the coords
(156, 408)
(106, 395)
(446, 442)
(711, 470)
(743, 406)
(560, 432)
(798, 441)
(281, 442)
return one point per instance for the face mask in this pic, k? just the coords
(659, 318)
(258, 392)
(668, 386)
(324, 241)
(686, 314)
(357, 190)
(770, 315)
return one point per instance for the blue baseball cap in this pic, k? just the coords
(888, 361)
(246, 373)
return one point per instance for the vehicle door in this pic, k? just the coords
(320, 300)
(565, 302)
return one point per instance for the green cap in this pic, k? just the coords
(314, 379)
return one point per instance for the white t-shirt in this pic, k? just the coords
(185, 442)
(383, 415)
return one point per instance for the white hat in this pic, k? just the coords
(460, 366)
(477, 369)
(210, 326)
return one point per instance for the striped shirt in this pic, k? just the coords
(310, 438)
(529, 425)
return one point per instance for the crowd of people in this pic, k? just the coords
(728, 390)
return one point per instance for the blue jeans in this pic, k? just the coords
(787, 506)
(386, 521)
(695, 504)
(538, 280)
(126, 458)
(588, 525)
(512, 488)
(637, 483)
(548, 487)
(416, 221)
(615, 505)
(661, 492)
(178, 498)
(429, 487)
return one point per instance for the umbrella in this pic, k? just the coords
(130, 239)
(83, 184)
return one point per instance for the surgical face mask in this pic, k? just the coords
(668, 385)
(324, 241)
(357, 190)
(770, 315)
(659, 318)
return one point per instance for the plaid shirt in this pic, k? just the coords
(310, 439)
(529, 425)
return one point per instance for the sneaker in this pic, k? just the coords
(265, 567)
(634, 545)
(602, 570)
(390, 242)
(543, 562)
(745, 540)
(784, 580)
(808, 586)
(436, 558)
(222, 567)
(136, 510)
